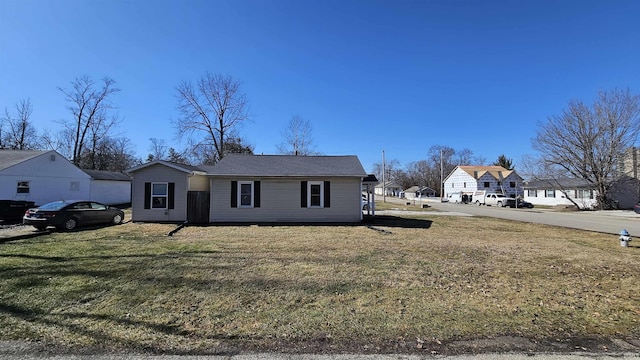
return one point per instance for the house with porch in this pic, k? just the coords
(390, 189)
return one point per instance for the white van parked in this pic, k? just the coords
(455, 198)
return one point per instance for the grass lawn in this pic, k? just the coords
(405, 285)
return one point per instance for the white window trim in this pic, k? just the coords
(166, 196)
(240, 183)
(309, 184)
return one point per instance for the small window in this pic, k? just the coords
(499, 183)
(464, 185)
(453, 185)
(23, 187)
(486, 184)
(512, 184)
(159, 195)
(245, 194)
(550, 193)
(532, 193)
(584, 194)
(315, 194)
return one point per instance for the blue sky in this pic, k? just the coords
(371, 75)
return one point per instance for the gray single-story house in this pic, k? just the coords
(250, 188)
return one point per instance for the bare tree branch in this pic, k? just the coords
(18, 133)
(588, 141)
(298, 138)
(89, 107)
(211, 112)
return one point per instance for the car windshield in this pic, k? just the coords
(56, 205)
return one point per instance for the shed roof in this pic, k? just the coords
(9, 158)
(107, 175)
(288, 165)
(389, 184)
(189, 169)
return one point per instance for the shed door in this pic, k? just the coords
(198, 207)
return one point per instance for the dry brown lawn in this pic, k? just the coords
(400, 285)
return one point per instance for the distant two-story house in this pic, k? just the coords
(468, 179)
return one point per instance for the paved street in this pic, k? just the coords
(609, 222)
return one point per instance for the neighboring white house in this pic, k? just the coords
(566, 192)
(45, 176)
(390, 188)
(251, 188)
(467, 179)
(41, 177)
(109, 187)
(416, 192)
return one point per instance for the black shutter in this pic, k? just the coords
(256, 194)
(234, 194)
(327, 194)
(303, 194)
(172, 195)
(147, 195)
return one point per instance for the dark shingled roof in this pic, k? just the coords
(107, 175)
(288, 165)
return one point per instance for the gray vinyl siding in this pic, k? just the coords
(159, 173)
(280, 201)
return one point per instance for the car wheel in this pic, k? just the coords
(499, 203)
(117, 219)
(478, 202)
(70, 224)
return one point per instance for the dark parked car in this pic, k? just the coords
(67, 215)
(637, 208)
(522, 204)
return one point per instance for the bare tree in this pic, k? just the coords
(109, 153)
(90, 107)
(298, 138)
(211, 112)
(18, 133)
(158, 149)
(588, 141)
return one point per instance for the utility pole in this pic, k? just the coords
(441, 178)
(384, 170)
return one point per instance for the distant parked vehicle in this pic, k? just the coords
(637, 208)
(366, 204)
(67, 215)
(482, 197)
(522, 204)
(455, 198)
